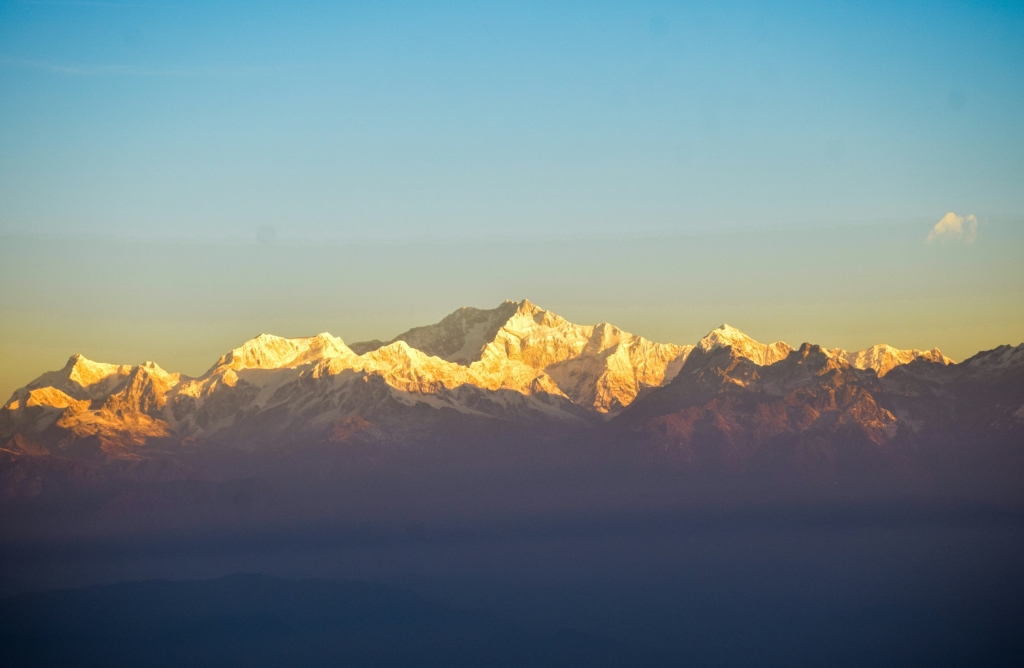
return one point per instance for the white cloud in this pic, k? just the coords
(953, 226)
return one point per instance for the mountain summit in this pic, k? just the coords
(600, 366)
(517, 364)
(759, 353)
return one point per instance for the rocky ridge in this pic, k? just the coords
(597, 366)
(883, 358)
(516, 363)
(819, 409)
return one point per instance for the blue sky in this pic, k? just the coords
(392, 119)
(791, 148)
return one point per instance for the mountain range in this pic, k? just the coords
(726, 400)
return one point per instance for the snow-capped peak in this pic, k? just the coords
(883, 358)
(526, 306)
(519, 345)
(998, 359)
(759, 353)
(267, 351)
(85, 372)
(515, 359)
(82, 378)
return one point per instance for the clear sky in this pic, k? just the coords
(177, 177)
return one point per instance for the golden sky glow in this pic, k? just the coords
(182, 304)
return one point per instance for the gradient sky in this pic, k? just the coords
(178, 177)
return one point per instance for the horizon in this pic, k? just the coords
(303, 337)
(177, 175)
(183, 303)
(353, 341)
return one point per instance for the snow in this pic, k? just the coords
(884, 358)
(759, 353)
(1001, 358)
(511, 361)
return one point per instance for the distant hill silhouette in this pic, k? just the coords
(256, 620)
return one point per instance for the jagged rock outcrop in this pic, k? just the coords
(111, 405)
(980, 399)
(815, 410)
(800, 408)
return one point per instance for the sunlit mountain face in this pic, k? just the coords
(516, 366)
(518, 374)
(492, 394)
(562, 475)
